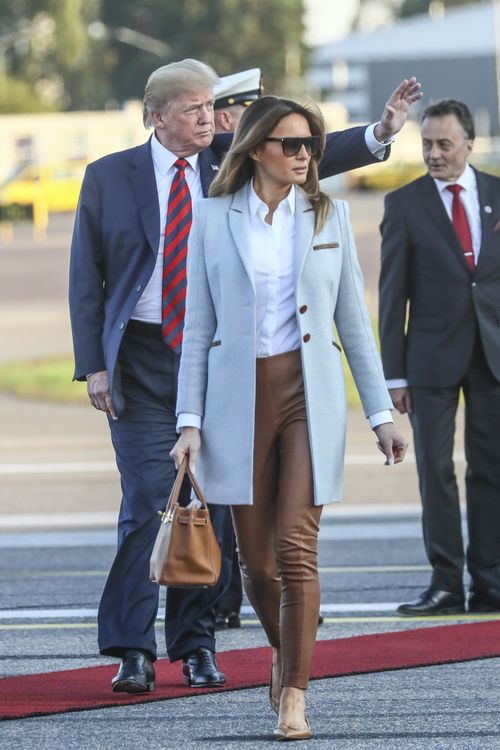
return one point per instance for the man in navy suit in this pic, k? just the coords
(117, 308)
(440, 337)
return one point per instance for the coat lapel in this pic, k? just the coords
(142, 176)
(488, 216)
(209, 166)
(304, 231)
(239, 224)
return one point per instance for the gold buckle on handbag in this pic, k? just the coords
(166, 517)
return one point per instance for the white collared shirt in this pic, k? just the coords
(272, 258)
(470, 199)
(148, 308)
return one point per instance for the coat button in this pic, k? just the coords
(473, 284)
(303, 309)
(138, 288)
(306, 337)
(121, 326)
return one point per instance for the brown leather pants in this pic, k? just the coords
(277, 536)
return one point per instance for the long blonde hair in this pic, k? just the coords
(256, 124)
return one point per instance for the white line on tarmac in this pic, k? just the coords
(58, 614)
(100, 519)
(255, 623)
(335, 609)
(89, 467)
(67, 467)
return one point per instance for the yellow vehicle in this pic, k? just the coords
(48, 188)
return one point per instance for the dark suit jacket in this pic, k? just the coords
(423, 264)
(116, 238)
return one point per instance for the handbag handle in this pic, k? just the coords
(167, 514)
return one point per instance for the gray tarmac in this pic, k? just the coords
(59, 495)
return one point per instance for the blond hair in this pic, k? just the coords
(166, 83)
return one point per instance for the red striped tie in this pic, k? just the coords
(461, 224)
(179, 219)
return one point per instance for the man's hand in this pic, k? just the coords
(391, 443)
(401, 399)
(188, 444)
(396, 109)
(99, 395)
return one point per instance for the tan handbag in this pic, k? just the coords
(186, 552)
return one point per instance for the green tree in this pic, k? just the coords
(87, 54)
(48, 49)
(227, 34)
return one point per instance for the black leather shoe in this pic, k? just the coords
(485, 601)
(225, 620)
(136, 674)
(434, 602)
(200, 669)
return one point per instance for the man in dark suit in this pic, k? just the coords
(127, 289)
(440, 336)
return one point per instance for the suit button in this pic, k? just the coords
(138, 288)
(121, 326)
(474, 284)
(303, 309)
(306, 338)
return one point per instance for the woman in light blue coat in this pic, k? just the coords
(261, 405)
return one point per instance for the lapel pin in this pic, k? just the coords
(488, 210)
(215, 167)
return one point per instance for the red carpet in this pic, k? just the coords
(80, 689)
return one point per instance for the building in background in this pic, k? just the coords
(453, 55)
(55, 137)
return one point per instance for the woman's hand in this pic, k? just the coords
(391, 443)
(188, 444)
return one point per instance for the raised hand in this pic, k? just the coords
(396, 109)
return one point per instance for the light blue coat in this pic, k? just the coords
(217, 372)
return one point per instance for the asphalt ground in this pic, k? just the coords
(368, 564)
(59, 495)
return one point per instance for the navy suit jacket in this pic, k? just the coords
(424, 269)
(117, 234)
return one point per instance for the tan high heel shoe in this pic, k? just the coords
(284, 732)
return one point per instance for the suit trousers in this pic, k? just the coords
(433, 423)
(277, 536)
(143, 437)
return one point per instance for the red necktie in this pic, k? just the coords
(177, 228)
(461, 225)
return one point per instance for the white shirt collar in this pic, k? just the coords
(255, 203)
(467, 180)
(163, 159)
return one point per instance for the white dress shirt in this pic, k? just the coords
(376, 147)
(470, 199)
(148, 308)
(272, 259)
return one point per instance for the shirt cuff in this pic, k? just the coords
(184, 419)
(397, 383)
(380, 417)
(374, 146)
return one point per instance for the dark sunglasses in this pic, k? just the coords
(292, 146)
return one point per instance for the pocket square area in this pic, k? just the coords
(326, 246)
